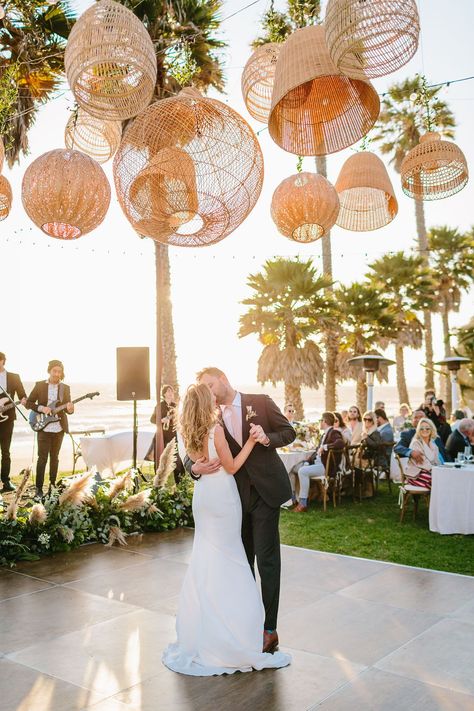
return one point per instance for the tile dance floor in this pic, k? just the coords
(85, 630)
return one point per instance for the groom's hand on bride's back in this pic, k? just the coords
(205, 466)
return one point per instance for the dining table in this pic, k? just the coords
(452, 499)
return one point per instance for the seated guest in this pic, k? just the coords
(345, 417)
(403, 449)
(419, 473)
(379, 405)
(316, 467)
(399, 420)
(461, 438)
(340, 425)
(370, 441)
(456, 418)
(355, 424)
(289, 412)
(386, 433)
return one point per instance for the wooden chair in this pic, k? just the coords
(381, 464)
(326, 484)
(345, 471)
(362, 473)
(410, 491)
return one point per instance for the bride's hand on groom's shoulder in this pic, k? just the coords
(206, 466)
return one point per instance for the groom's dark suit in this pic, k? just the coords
(263, 485)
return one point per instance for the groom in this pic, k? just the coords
(263, 482)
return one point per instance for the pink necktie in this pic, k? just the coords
(236, 425)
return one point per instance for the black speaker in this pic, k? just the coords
(133, 373)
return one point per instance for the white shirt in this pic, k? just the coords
(232, 414)
(3, 381)
(53, 395)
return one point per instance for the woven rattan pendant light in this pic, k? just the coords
(257, 80)
(434, 169)
(315, 108)
(110, 62)
(97, 138)
(371, 39)
(65, 193)
(205, 160)
(366, 194)
(6, 197)
(304, 207)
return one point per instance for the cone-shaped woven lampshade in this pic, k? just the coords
(203, 158)
(110, 62)
(2, 154)
(315, 108)
(304, 207)
(365, 193)
(371, 39)
(5, 197)
(89, 134)
(434, 169)
(257, 80)
(65, 193)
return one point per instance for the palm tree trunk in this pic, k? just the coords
(361, 393)
(293, 396)
(401, 381)
(159, 349)
(428, 332)
(446, 383)
(330, 395)
(163, 290)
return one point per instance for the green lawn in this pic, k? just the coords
(371, 529)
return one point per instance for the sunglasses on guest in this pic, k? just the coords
(368, 419)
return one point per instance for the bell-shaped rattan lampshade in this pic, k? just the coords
(434, 169)
(6, 197)
(110, 62)
(257, 80)
(97, 138)
(371, 39)
(315, 108)
(304, 207)
(65, 193)
(366, 194)
(203, 158)
(2, 154)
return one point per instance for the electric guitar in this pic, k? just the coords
(38, 420)
(5, 405)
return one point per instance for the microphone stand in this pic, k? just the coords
(14, 403)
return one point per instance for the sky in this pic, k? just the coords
(80, 300)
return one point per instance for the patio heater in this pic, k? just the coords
(370, 362)
(453, 364)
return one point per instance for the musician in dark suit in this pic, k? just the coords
(263, 482)
(50, 438)
(9, 383)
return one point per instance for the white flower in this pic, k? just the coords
(250, 413)
(44, 539)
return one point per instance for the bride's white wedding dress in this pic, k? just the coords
(220, 615)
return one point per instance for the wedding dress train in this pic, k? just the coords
(220, 615)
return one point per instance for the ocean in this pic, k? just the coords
(105, 412)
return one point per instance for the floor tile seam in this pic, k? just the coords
(49, 586)
(339, 688)
(364, 577)
(441, 615)
(149, 559)
(51, 676)
(468, 694)
(382, 562)
(67, 586)
(31, 577)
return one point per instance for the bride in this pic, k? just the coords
(220, 615)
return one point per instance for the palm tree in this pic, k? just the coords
(399, 128)
(365, 324)
(452, 255)
(465, 347)
(409, 286)
(32, 43)
(289, 308)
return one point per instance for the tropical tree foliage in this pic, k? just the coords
(409, 286)
(409, 109)
(465, 347)
(289, 310)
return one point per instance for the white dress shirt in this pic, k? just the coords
(3, 381)
(232, 416)
(53, 394)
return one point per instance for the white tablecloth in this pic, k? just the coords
(289, 459)
(113, 451)
(452, 500)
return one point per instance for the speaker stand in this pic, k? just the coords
(139, 473)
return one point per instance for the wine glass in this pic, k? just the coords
(460, 459)
(468, 456)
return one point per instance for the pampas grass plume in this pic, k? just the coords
(78, 490)
(121, 483)
(136, 501)
(37, 515)
(12, 510)
(116, 535)
(166, 464)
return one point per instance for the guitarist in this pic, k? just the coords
(50, 439)
(10, 383)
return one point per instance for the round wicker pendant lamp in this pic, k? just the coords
(65, 193)
(188, 171)
(371, 39)
(315, 108)
(257, 80)
(110, 62)
(97, 138)
(366, 194)
(304, 207)
(434, 169)
(6, 197)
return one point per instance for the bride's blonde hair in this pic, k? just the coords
(197, 417)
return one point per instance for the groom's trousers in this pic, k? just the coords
(261, 540)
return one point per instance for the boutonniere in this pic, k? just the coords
(250, 413)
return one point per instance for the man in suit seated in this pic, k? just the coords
(461, 438)
(316, 467)
(386, 433)
(402, 448)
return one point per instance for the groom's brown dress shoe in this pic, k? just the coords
(270, 642)
(300, 509)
